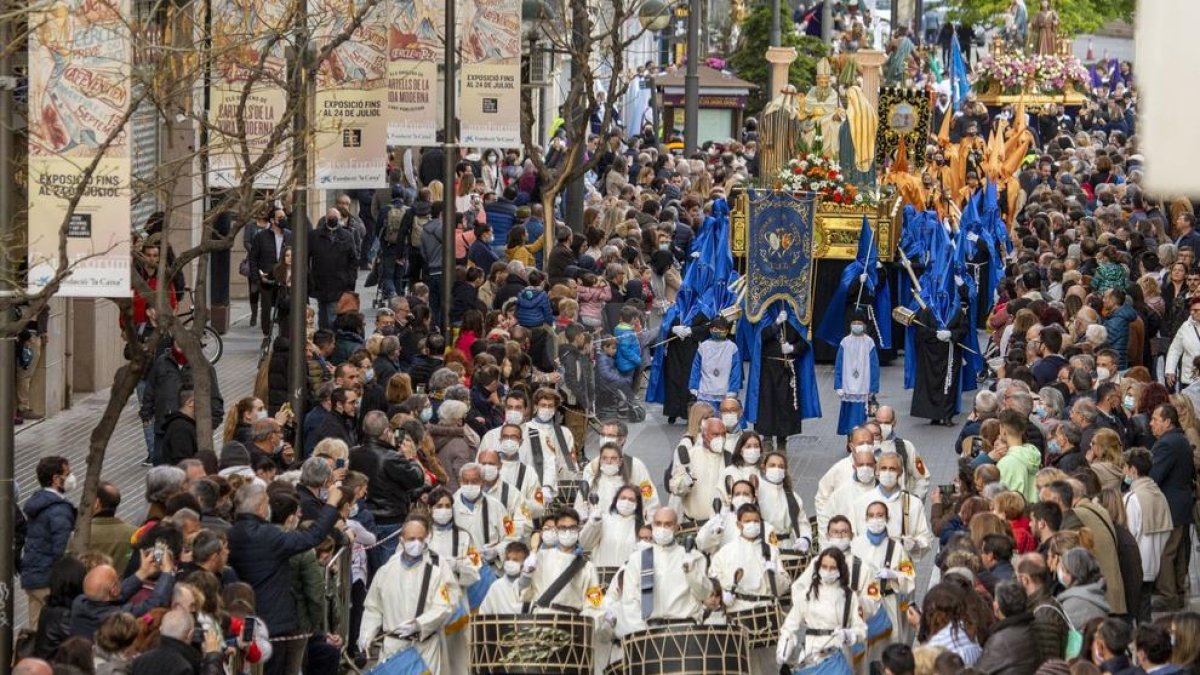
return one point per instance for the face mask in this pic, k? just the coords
(1053, 447)
(643, 545)
(886, 429)
(469, 492)
(829, 577)
(730, 420)
(626, 507)
(1102, 373)
(509, 447)
(605, 440)
(442, 516)
(513, 417)
(353, 510)
(369, 374)
(876, 525)
(1128, 402)
(512, 568)
(740, 501)
(840, 543)
(775, 475)
(490, 472)
(664, 247)
(69, 483)
(261, 414)
(1127, 481)
(663, 536)
(717, 444)
(413, 548)
(864, 473)
(751, 530)
(568, 538)
(545, 415)
(549, 538)
(719, 335)
(1058, 574)
(426, 413)
(751, 453)
(888, 479)
(857, 328)
(1040, 411)
(610, 469)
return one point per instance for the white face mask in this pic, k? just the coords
(413, 548)
(545, 415)
(261, 414)
(490, 472)
(876, 525)
(829, 577)
(840, 543)
(626, 507)
(567, 538)
(864, 473)
(751, 453)
(663, 536)
(610, 469)
(643, 545)
(740, 501)
(512, 568)
(605, 440)
(717, 444)
(1102, 374)
(751, 530)
(69, 483)
(513, 417)
(469, 492)
(775, 475)
(549, 538)
(886, 429)
(888, 479)
(442, 516)
(730, 420)
(509, 447)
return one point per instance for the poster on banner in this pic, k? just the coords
(490, 109)
(350, 123)
(249, 76)
(80, 55)
(415, 34)
(780, 264)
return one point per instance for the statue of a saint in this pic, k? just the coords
(780, 129)
(856, 138)
(822, 112)
(1045, 30)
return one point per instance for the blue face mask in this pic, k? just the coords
(857, 328)
(719, 336)
(1053, 447)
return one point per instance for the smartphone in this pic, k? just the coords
(340, 464)
(976, 446)
(160, 549)
(948, 489)
(248, 629)
(400, 436)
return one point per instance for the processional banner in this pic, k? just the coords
(416, 32)
(780, 265)
(491, 73)
(903, 112)
(352, 93)
(80, 59)
(248, 94)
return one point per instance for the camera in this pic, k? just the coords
(976, 446)
(948, 490)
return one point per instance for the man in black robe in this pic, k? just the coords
(939, 366)
(677, 365)
(778, 411)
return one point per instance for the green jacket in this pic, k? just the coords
(1017, 470)
(111, 536)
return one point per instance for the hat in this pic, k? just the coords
(824, 69)
(234, 453)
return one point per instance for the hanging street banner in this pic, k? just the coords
(415, 35)
(490, 109)
(248, 60)
(80, 53)
(350, 121)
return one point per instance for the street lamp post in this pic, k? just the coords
(449, 149)
(655, 16)
(691, 82)
(298, 321)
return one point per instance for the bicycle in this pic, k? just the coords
(211, 344)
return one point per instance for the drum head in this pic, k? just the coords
(684, 649)
(540, 644)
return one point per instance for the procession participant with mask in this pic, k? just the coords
(518, 524)
(745, 460)
(507, 594)
(610, 533)
(906, 514)
(894, 576)
(453, 543)
(515, 472)
(781, 506)
(479, 514)
(561, 578)
(842, 471)
(611, 470)
(722, 528)
(828, 610)
(843, 502)
(916, 474)
(697, 481)
(674, 587)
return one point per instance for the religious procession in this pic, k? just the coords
(894, 371)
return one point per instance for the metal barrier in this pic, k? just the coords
(338, 583)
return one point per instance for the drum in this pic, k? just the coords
(541, 644)
(761, 623)
(606, 575)
(904, 316)
(794, 565)
(681, 649)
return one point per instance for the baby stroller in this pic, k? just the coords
(614, 401)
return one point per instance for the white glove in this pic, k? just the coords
(596, 515)
(610, 617)
(489, 553)
(943, 335)
(839, 392)
(529, 566)
(771, 566)
(787, 645)
(908, 543)
(727, 598)
(718, 525)
(688, 481)
(694, 392)
(958, 280)
(862, 278)
(695, 255)
(803, 544)
(886, 574)
(408, 628)
(682, 332)
(787, 348)
(548, 493)
(782, 317)
(846, 635)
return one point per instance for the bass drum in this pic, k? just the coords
(541, 644)
(684, 649)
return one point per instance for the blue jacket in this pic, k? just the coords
(482, 256)
(606, 369)
(51, 520)
(501, 215)
(1117, 325)
(629, 350)
(533, 308)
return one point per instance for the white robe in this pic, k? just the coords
(606, 487)
(582, 592)
(916, 472)
(891, 591)
(610, 540)
(554, 467)
(841, 473)
(464, 562)
(518, 520)
(916, 526)
(747, 556)
(506, 596)
(865, 586)
(843, 502)
(483, 535)
(392, 600)
(732, 474)
(531, 489)
(824, 612)
(678, 594)
(705, 468)
(772, 501)
(722, 531)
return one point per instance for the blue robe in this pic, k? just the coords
(833, 325)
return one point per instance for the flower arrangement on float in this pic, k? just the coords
(1009, 73)
(817, 173)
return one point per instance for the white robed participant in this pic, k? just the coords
(610, 534)
(507, 594)
(561, 578)
(828, 611)
(609, 472)
(782, 508)
(906, 514)
(844, 501)
(697, 481)
(751, 576)
(895, 577)
(396, 605)
(454, 544)
(722, 529)
(550, 445)
(481, 515)
(745, 462)
(916, 473)
(841, 473)
(840, 535)
(515, 472)
(616, 432)
(518, 521)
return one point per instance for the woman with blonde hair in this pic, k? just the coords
(983, 524)
(1105, 458)
(612, 219)
(1152, 293)
(240, 417)
(1185, 638)
(1187, 420)
(699, 412)
(1047, 476)
(436, 191)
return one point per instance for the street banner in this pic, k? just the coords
(415, 35)
(350, 126)
(80, 54)
(490, 110)
(247, 93)
(780, 264)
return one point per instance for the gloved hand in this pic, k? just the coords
(886, 574)
(408, 629)
(727, 598)
(597, 515)
(862, 278)
(548, 493)
(694, 392)
(839, 392)
(943, 335)
(782, 317)
(718, 525)
(787, 645)
(803, 544)
(958, 280)
(688, 480)
(529, 566)
(845, 635)
(610, 617)
(695, 255)
(771, 566)
(787, 348)
(908, 543)
(683, 332)
(489, 553)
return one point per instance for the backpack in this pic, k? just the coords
(393, 226)
(418, 226)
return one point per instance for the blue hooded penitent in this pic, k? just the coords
(833, 325)
(750, 343)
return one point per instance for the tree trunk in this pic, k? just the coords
(202, 372)
(549, 194)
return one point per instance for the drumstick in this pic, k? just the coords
(961, 345)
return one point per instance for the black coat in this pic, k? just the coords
(259, 551)
(1173, 471)
(179, 439)
(262, 251)
(333, 264)
(385, 368)
(321, 423)
(278, 392)
(511, 289)
(395, 481)
(1008, 650)
(161, 396)
(561, 258)
(173, 657)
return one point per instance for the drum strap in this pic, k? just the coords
(846, 610)
(904, 513)
(728, 456)
(425, 579)
(551, 592)
(793, 513)
(566, 453)
(487, 522)
(454, 540)
(647, 583)
(521, 471)
(887, 564)
(539, 461)
(855, 571)
(504, 494)
(766, 553)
